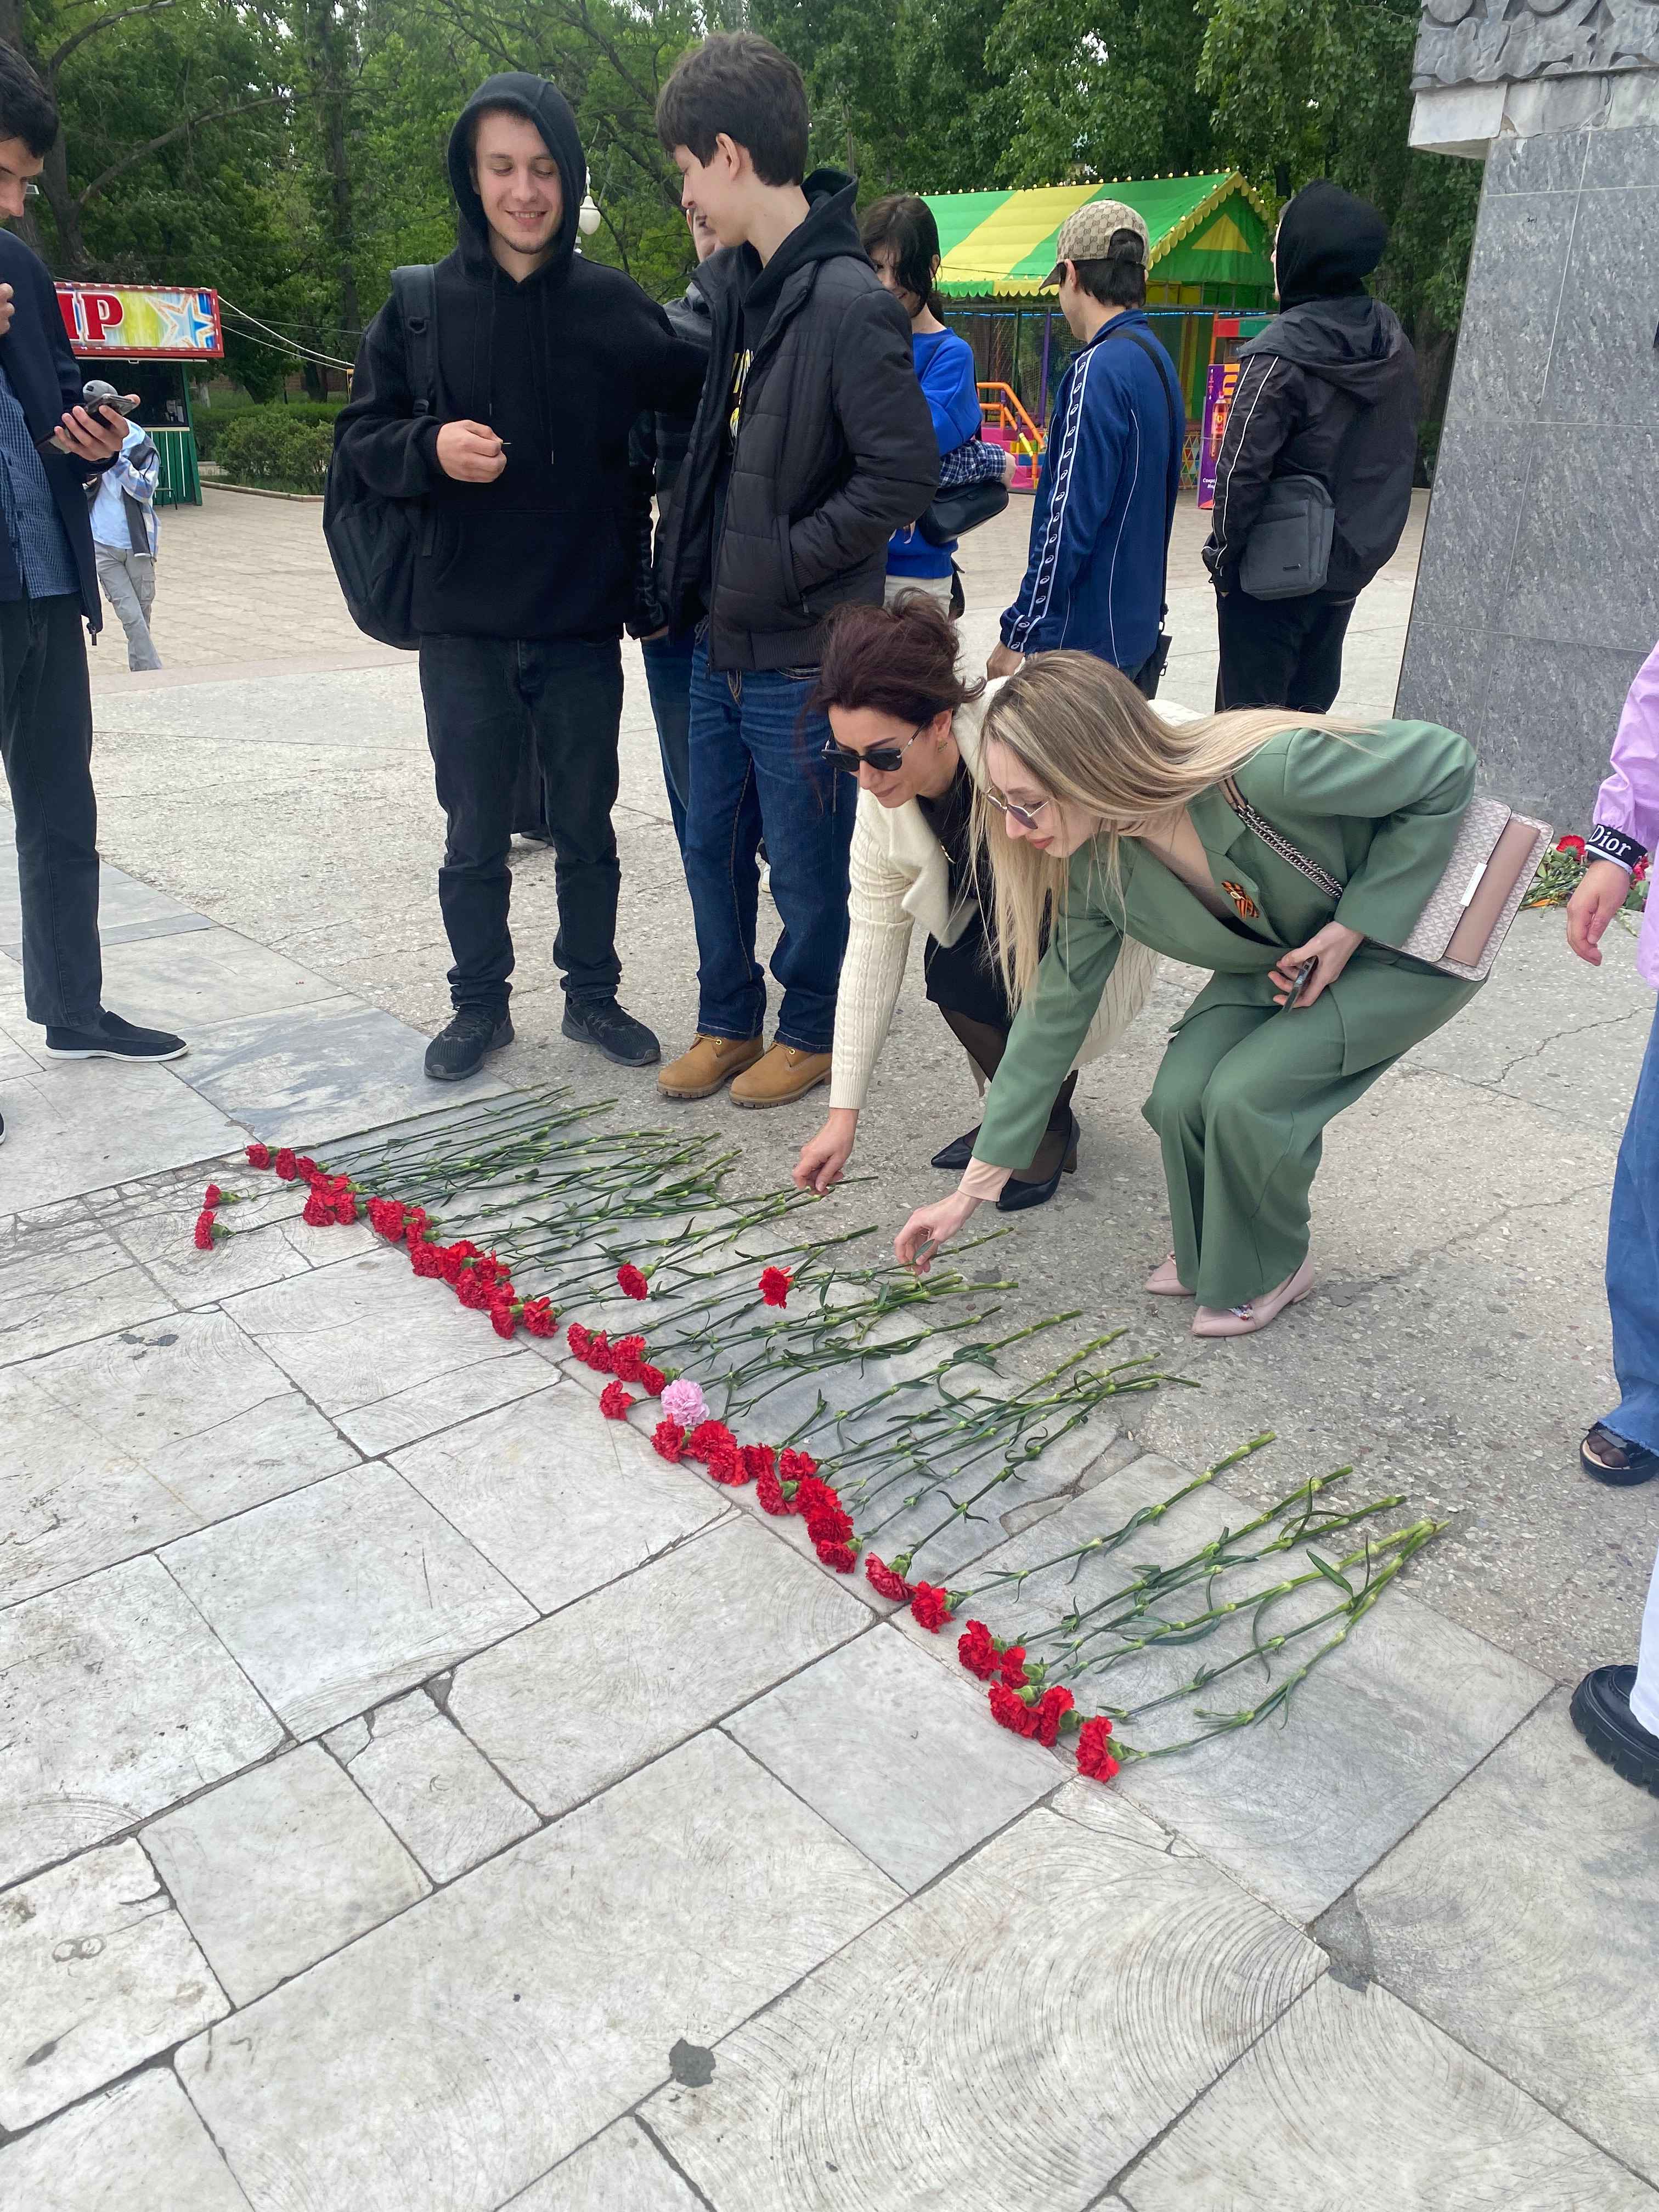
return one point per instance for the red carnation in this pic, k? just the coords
(204, 1231)
(414, 1225)
(425, 1259)
(387, 1217)
(797, 1466)
(775, 1287)
(884, 1580)
(1639, 872)
(758, 1460)
(504, 1316)
(538, 1317)
(318, 1210)
(346, 1208)
(1010, 1711)
(669, 1439)
(650, 1379)
(632, 1281)
(931, 1606)
(287, 1166)
(1047, 1713)
(829, 1526)
(614, 1401)
(580, 1339)
(841, 1557)
(212, 1195)
(724, 1464)
(1093, 1757)
(768, 1494)
(709, 1436)
(811, 1495)
(309, 1169)
(628, 1356)
(456, 1257)
(1573, 845)
(1013, 1667)
(476, 1292)
(259, 1156)
(976, 1648)
(599, 1354)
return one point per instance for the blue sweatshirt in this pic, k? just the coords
(945, 367)
(1106, 494)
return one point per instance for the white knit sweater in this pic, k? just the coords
(899, 877)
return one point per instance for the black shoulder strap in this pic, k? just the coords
(417, 288)
(1163, 371)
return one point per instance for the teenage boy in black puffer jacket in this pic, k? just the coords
(527, 570)
(812, 444)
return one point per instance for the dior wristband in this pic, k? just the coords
(1607, 844)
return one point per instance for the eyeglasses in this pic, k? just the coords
(1025, 816)
(886, 760)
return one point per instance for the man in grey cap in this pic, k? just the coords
(1095, 578)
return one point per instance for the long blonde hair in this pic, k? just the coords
(1087, 735)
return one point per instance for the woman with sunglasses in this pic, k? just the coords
(906, 725)
(1136, 831)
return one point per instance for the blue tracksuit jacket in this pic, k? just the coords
(1105, 496)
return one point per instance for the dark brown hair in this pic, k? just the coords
(904, 223)
(1119, 280)
(739, 84)
(901, 660)
(26, 108)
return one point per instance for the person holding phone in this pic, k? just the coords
(1122, 828)
(52, 447)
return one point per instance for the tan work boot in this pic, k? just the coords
(781, 1076)
(711, 1061)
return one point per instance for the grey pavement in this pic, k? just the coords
(416, 1797)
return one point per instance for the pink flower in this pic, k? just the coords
(774, 1285)
(614, 1401)
(683, 1403)
(632, 1281)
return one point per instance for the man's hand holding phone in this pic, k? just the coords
(92, 435)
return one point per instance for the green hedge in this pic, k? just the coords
(276, 449)
(214, 424)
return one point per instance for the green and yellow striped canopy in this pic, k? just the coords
(1212, 230)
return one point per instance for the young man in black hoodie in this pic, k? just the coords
(527, 570)
(812, 444)
(1328, 390)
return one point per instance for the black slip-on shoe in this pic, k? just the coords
(1602, 1715)
(605, 1025)
(1606, 1457)
(460, 1050)
(114, 1039)
(957, 1154)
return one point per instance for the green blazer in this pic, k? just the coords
(1379, 811)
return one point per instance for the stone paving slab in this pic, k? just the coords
(137, 2148)
(452, 2058)
(115, 1701)
(277, 1867)
(333, 1599)
(190, 983)
(560, 1498)
(390, 1424)
(1012, 2037)
(120, 1444)
(895, 1755)
(100, 1973)
(442, 1796)
(1384, 1728)
(64, 1279)
(1352, 2099)
(621, 2171)
(1523, 1917)
(80, 1125)
(574, 1703)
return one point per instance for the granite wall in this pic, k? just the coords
(1538, 595)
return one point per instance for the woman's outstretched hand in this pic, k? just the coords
(823, 1157)
(929, 1227)
(1329, 949)
(1601, 891)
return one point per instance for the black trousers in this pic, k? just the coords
(485, 698)
(46, 737)
(1279, 653)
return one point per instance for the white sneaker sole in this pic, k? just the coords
(110, 1052)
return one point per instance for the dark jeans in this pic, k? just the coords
(1279, 653)
(668, 674)
(485, 697)
(758, 768)
(45, 738)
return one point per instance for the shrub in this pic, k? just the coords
(271, 448)
(214, 424)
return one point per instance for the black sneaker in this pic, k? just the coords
(114, 1039)
(602, 1023)
(460, 1050)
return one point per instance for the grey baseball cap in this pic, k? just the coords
(1087, 235)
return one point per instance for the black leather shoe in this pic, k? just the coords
(460, 1050)
(603, 1024)
(1602, 1715)
(1020, 1197)
(957, 1153)
(1606, 1457)
(114, 1039)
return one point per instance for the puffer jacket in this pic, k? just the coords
(834, 448)
(1328, 389)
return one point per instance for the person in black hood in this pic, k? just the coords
(1327, 390)
(527, 572)
(812, 444)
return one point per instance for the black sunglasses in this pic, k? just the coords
(884, 759)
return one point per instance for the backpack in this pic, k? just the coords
(372, 541)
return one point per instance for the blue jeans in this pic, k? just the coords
(757, 771)
(668, 676)
(1633, 1263)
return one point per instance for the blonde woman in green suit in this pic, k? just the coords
(1094, 809)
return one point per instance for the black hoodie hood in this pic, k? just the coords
(1354, 343)
(546, 106)
(829, 229)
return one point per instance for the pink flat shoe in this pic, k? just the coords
(1254, 1313)
(1164, 1283)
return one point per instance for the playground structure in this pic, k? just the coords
(143, 338)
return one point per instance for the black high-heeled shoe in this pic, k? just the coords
(957, 1153)
(1020, 1197)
